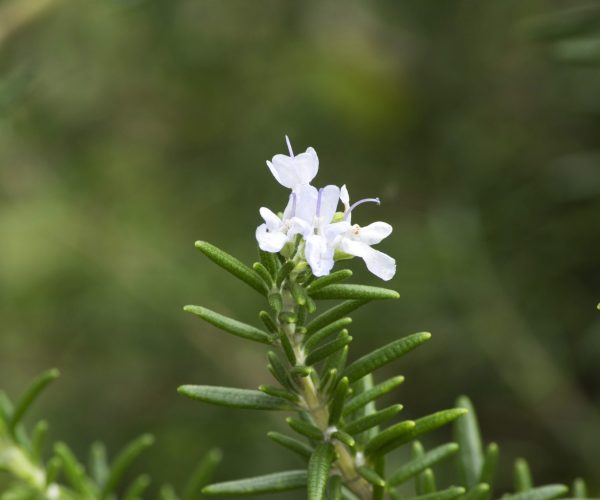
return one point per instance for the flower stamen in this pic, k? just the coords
(289, 145)
(360, 202)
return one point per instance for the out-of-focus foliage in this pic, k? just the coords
(130, 128)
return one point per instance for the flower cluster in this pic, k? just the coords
(311, 217)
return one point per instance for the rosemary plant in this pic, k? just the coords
(336, 423)
(62, 476)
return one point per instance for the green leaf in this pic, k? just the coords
(419, 464)
(203, 474)
(335, 487)
(371, 476)
(372, 420)
(425, 484)
(284, 272)
(337, 401)
(234, 397)
(232, 265)
(53, 469)
(354, 292)
(333, 314)
(479, 492)
(422, 426)
(305, 428)
(280, 393)
(270, 261)
(330, 279)
(523, 479)
(320, 335)
(490, 464)
(337, 361)
(291, 444)
(74, 471)
(123, 461)
(288, 349)
(344, 437)
(388, 436)
(466, 431)
(270, 483)
(447, 494)
(30, 395)
(264, 274)
(99, 469)
(326, 350)
(268, 322)
(167, 492)
(298, 294)
(384, 355)
(371, 394)
(278, 370)
(541, 493)
(137, 487)
(230, 325)
(319, 466)
(39, 440)
(579, 488)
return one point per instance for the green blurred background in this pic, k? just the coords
(129, 129)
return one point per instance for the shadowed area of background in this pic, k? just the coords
(129, 129)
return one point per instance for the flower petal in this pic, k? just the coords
(345, 197)
(330, 196)
(270, 241)
(374, 233)
(272, 220)
(306, 165)
(296, 171)
(319, 255)
(381, 265)
(306, 203)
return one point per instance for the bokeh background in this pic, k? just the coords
(131, 128)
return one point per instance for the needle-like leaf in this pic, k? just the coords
(234, 397)
(203, 474)
(292, 444)
(232, 265)
(270, 483)
(319, 466)
(372, 394)
(354, 292)
(447, 494)
(540, 493)
(231, 325)
(466, 431)
(419, 464)
(333, 314)
(330, 279)
(368, 421)
(30, 395)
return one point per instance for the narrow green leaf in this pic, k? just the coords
(167, 492)
(322, 352)
(280, 393)
(234, 397)
(479, 492)
(292, 444)
(337, 401)
(275, 301)
(30, 395)
(579, 488)
(320, 335)
(301, 371)
(278, 370)
(490, 464)
(53, 468)
(305, 428)
(379, 467)
(328, 381)
(298, 294)
(330, 279)
(270, 261)
(99, 469)
(268, 322)
(319, 466)
(354, 292)
(288, 350)
(136, 489)
(230, 325)
(333, 314)
(284, 272)
(123, 460)
(335, 488)
(344, 438)
(419, 464)
(202, 474)
(523, 479)
(384, 355)
(389, 435)
(425, 484)
(39, 440)
(540, 493)
(422, 426)
(447, 494)
(264, 274)
(73, 470)
(372, 394)
(371, 476)
(270, 483)
(368, 421)
(466, 432)
(337, 361)
(232, 265)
